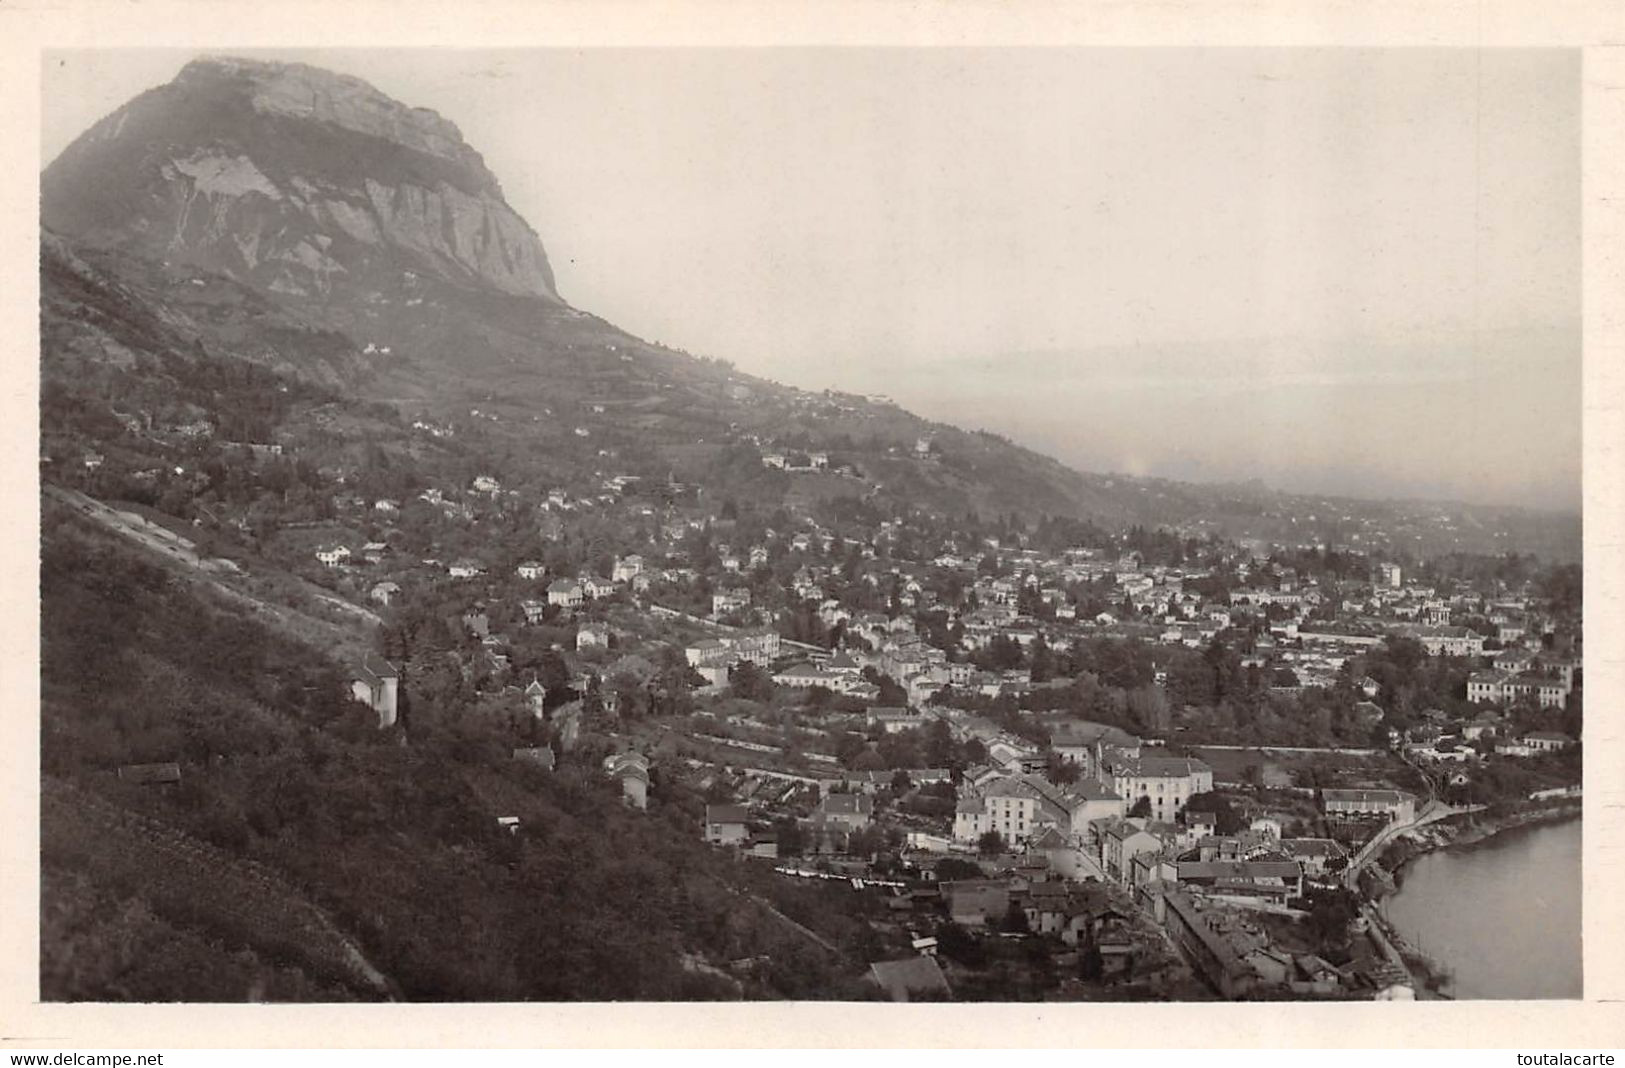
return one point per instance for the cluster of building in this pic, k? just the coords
(1116, 813)
(1518, 675)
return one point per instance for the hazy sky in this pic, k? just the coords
(1351, 271)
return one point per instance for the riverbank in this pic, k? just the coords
(1462, 918)
(1434, 978)
(1467, 829)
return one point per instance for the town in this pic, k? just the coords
(410, 633)
(1048, 760)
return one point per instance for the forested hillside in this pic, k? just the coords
(289, 790)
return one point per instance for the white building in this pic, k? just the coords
(377, 684)
(1168, 781)
(566, 593)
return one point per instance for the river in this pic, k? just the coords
(1503, 914)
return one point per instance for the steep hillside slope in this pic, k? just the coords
(138, 909)
(304, 855)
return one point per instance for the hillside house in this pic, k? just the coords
(1019, 809)
(1085, 743)
(631, 770)
(1203, 936)
(706, 652)
(1450, 641)
(1317, 856)
(376, 683)
(1547, 741)
(724, 824)
(895, 720)
(1167, 781)
(1272, 881)
(849, 812)
(566, 593)
(1121, 841)
(1087, 801)
(975, 902)
(1395, 804)
(535, 611)
(805, 675)
(1200, 825)
(536, 698)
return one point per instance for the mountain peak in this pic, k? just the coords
(296, 180)
(300, 91)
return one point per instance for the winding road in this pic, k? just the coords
(1432, 812)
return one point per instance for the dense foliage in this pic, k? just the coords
(587, 900)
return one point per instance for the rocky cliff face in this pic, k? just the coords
(301, 181)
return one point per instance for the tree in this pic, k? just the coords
(749, 682)
(866, 841)
(891, 693)
(951, 868)
(593, 702)
(1014, 920)
(1225, 818)
(1043, 661)
(900, 750)
(1091, 963)
(554, 673)
(1564, 587)
(1330, 912)
(1191, 679)
(959, 945)
(1149, 707)
(991, 843)
(1060, 772)
(868, 760)
(938, 744)
(1142, 807)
